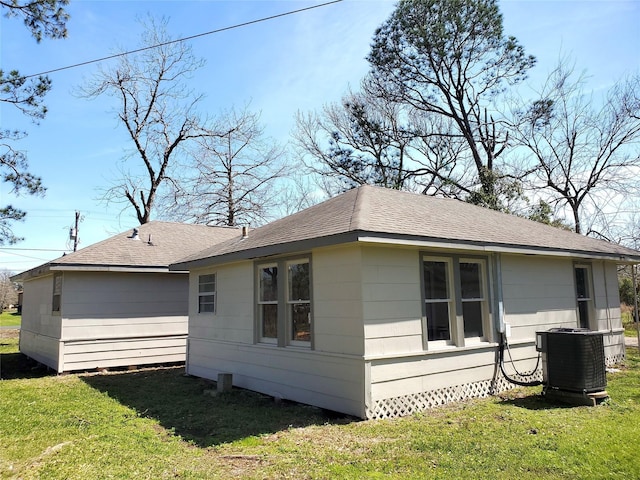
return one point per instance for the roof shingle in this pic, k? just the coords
(158, 245)
(395, 214)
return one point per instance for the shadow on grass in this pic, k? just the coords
(185, 406)
(530, 398)
(15, 366)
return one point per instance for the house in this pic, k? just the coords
(379, 303)
(114, 303)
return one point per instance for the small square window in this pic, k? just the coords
(207, 293)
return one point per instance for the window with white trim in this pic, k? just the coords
(268, 303)
(298, 302)
(207, 293)
(437, 298)
(473, 298)
(456, 307)
(284, 302)
(583, 294)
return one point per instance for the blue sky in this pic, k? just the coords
(298, 62)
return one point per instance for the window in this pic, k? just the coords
(284, 302)
(268, 303)
(583, 294)
(437, 300)
(57, 292)
(207, 293)
(299, 302)
(456, 305)
(473, 300)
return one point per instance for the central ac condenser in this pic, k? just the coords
(572, 360)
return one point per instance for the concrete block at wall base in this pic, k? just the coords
(225, 382)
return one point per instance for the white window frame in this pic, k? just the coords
(484, 307)
(260, 303)
(208, 293)
(291, 302)
(588, 299)
(455, 302)
(283, 303)
(449, 301)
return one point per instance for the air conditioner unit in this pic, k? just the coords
(572, 361)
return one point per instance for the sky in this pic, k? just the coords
(297, 62)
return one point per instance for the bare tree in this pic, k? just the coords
(236, 168)
(44, 18)
(586, 149)
(371, 138)
(452, 59)
(361, 140)
(298, 191)
(158, 111)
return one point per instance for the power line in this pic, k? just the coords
(25, 256)
(219, 30)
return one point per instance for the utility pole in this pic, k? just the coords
(73, 232)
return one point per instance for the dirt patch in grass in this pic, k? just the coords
(9, 333)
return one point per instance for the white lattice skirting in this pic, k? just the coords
(615, 359)
(417, 402)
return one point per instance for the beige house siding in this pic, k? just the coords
(106, 320)
(398, 377)
(329, 376)
(97, 354)
(392, 306)
(369, 357)
(337, 300)
(123, 305)
(233, 320)
(315, 378)
(539, 294)
(401, 373)
(40, 328)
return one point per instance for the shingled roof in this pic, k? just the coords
(158, 244)
(378, 214)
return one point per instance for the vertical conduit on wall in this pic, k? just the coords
(606, 296)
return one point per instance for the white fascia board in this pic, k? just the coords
(111, 268)
(498, 249)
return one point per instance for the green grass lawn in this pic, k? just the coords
(10, 319)
(160, 424)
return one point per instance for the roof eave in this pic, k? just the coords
(499, 248)
(36, 272)
(395, 239)
(267, 251)
(111, 268)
